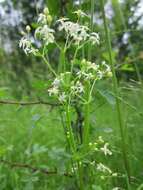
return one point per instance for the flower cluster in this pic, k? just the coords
(102, 168)
(43, 33)
(105, 149)
(44, 18)
(64, 88)
(100, 146)
(78, 33)
(93, 71)
(70, 85)
(27, 46)
(75, 33)
(77, 88)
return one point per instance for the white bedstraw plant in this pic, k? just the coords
(70, 86)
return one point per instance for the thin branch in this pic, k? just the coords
(28, 103)
(33, 169)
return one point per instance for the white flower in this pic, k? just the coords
(114, 174)
(77, 88)
(76, 31)
(45, 33)
(73, 169)
(94, 66)
(62, 22)
(105, 150)
(26, 45)
(100, 139)
(53, 91)
(80, 34)
(116, 188)
(94, 38)
(42, 19)
(107, 67)
(62, 97)
(80, 74)
(90, 65)
(56, 82)
(87, 76)
(103, 168)
(92, 163)
(100, 74)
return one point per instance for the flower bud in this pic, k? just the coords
(109, 74)
(22, 33)
(46, 11)
(102, 177)
(114, 174)
(49, 19)
(83, 61)
(90, 144)
(28, 28)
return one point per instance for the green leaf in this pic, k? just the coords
(127, 67)
(140, 187)
(105, 56)
(107, 95)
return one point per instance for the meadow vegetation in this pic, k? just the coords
(72, 118)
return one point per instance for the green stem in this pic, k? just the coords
(49, 66)
(115, 88)
(87, 89)
(72, 144)
(83, 50)
(91, 27)
(69, 128)
(80, 174)
(74, 58)
(86, 116)
(62, 64)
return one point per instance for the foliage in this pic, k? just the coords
(69, 138)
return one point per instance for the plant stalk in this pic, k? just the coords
(138, 74)
(73, 148)
(86, 116)
(116, 92)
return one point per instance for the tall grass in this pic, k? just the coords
(117, 8)
(87, 106)
(117, 95)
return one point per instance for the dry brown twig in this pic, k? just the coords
(8, 102)
(32, 168)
